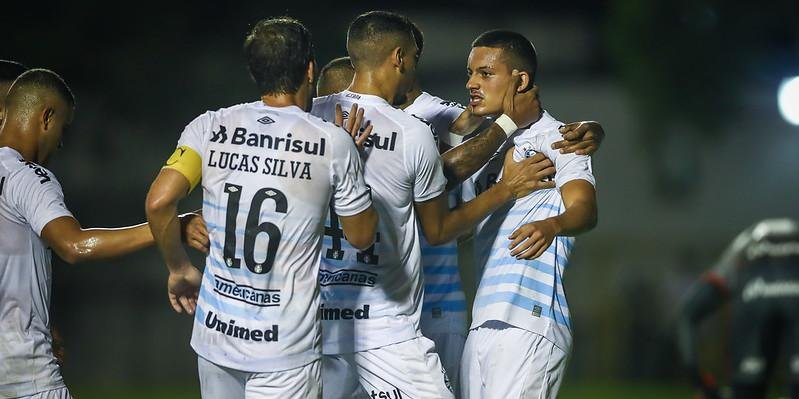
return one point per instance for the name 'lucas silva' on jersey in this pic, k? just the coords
(255, 163)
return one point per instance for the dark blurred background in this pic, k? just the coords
(686, 90)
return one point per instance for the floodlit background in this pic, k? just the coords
(696, 151)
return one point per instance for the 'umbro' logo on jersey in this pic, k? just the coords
(266, 120)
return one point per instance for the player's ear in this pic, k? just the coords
(397, 56)
(47, 117)
(525, 83)
(309, 73)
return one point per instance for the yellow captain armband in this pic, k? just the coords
(188, 162)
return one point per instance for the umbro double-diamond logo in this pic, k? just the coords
(266, 120)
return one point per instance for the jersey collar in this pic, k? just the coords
(290, 108)
(364, 98)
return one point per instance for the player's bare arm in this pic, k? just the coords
(74, 244)
(529, 241)
(440, 224)
(705, 297)
(359, 230)
(169, 187)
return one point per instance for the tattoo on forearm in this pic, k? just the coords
(464, 160)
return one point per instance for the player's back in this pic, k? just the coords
(761, 269)
(375, 295)
(268, 175)
(30, 196)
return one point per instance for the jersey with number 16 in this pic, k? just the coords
(268, 177)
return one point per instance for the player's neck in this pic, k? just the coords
(372, 83)
(24, 143)
(412, 96)
(299, 99)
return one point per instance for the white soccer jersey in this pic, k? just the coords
(438, 112)
(30, 197)
(527, 294)
(373, 298)
(444, 308)
(268, 175)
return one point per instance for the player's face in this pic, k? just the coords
(489, 77)
(50, 139)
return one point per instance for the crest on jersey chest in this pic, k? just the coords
(530, 146)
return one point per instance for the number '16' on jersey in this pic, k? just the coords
(269, 175)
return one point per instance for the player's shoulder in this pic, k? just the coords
(440, 102)
(539, 137)
(324, 102)
(324, 126)
(547, 125)
(773, 229)
(24, 173)
(428, 104)
(409, 124)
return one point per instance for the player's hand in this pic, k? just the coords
(354, 124)
(183, 288)
(524, 108)
(526, 176)
(194, 231)
(531, 240)
(581, 138)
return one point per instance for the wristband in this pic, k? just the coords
(507, 124)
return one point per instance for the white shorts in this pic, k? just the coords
(504, 362)
(449, 347)
(407, 370)
(340, 377)
(59, 393)
(217, 382)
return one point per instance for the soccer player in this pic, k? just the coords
(371, 300)
(269, 172)
(9, 71)
(34, 220)
(335, 77)
(443, 318)
(759, 275)
(520, 335)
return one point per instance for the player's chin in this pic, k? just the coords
(481, 110)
